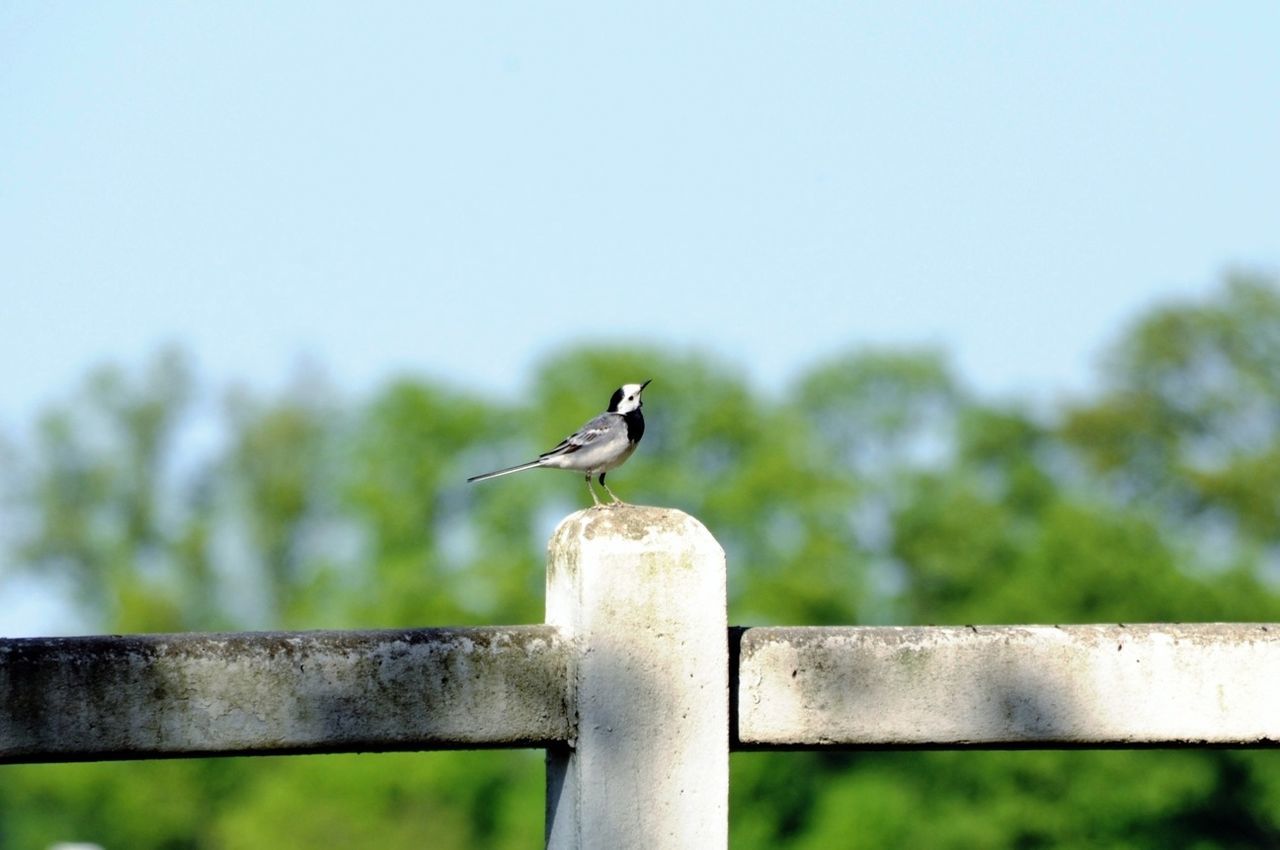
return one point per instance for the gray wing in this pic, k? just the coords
(587, 434)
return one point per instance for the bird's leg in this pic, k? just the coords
(592, 491)
(616, 500)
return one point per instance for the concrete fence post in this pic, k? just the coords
(640, 592)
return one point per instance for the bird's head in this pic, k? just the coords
(626, 398)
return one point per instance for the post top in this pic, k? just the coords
(631, 523)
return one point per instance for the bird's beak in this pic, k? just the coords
(645, 384)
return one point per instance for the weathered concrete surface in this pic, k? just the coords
(143, 696)
(641, 592)
(1083, 686)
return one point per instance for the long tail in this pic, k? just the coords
(521, 468)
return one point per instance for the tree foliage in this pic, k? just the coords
(876, 488)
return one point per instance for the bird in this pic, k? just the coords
(598, 447)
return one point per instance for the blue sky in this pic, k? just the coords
(456, 189)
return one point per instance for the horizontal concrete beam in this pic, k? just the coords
(146, 696)
(1020, 686)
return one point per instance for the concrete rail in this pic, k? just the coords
(147, 696)
(1029, 686)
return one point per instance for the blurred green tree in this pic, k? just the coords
(877, 488)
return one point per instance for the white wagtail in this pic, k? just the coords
(603, 444)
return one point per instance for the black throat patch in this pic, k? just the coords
(635, 425)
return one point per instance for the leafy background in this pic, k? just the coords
(875, 488)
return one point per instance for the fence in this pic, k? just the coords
(637, 688)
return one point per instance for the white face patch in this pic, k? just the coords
(630, 397)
